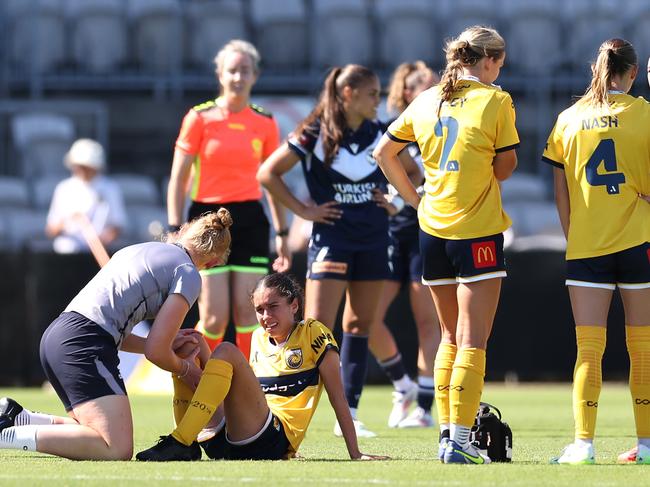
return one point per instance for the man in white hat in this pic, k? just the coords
(87, 197)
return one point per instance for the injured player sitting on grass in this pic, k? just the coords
(260, 410)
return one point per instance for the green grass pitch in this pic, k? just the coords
(540, 417)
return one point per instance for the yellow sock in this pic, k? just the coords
(466, 385)
(588, 378)
(182, 397)
(441, 375)
(638, 346)
(212, 390)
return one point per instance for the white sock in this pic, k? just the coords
(444, 427)
(459, 434)
(26, 417)
(403, 384)
(426, 382)
(19, 438)
(584, 441)
(353, 413)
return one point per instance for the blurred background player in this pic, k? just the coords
(348, 250)
(152, 280)
(87, 197)
(465, 128)
(222, 143)
(407, 82)
(262, 423)
(607, 225)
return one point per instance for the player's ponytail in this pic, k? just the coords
(286, 286)
(330, 110)
(472, 45)
(615, 57)
(208, 235)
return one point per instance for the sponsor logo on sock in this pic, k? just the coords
(644, 402)
(456, 388)
(592, 404)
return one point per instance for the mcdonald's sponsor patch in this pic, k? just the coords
(484, 254)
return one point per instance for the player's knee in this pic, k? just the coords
(120, 451)
(227, 351)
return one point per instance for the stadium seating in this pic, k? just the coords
(281, 33)
(592, 22)
(408, 32)
(98, 35)
(534, 36)
(523, 187)
(210, 24)
(36, 35)
(460, 14)
(137, 189)
(157, 40)
(146, 223)
(41, 140)
(344, 33)
(26, 229)
(13, 193)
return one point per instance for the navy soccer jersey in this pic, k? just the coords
(350, 180)
(405, 223)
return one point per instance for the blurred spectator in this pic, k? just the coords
(87, 197)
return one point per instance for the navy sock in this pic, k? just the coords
(354, 365)
(394, 367)
(425, 397)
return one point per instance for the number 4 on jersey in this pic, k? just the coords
(606, 153)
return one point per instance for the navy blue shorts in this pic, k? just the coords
(80, 360)
(270, 443)
(627, 269)
(324, 262)
(446, 261)
(405, 262)
(249, 248)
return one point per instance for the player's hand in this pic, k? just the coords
(193, 376)
(185, 343)
(283, 261)
(325, 213)
(366, 457)
(383, 201)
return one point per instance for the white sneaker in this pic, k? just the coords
(401, 402)
(359, 427)
(419, 418)
(576, 454)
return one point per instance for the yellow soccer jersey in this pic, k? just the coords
(289, 374)
(605, 154)
(462, 198)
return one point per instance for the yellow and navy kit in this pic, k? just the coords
(462, 198)
(605, 154)
(289, 374)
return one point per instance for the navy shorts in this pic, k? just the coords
(627, 269)
(270, 443)
(446, 261)
(324, 262)
(80, 360)
(249, 248)
(405, 262)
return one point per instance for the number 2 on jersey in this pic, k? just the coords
(452, 134)
(606, 153)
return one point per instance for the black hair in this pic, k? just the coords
(286, 286)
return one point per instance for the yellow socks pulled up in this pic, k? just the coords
(466, 385)
(441, 376)
(212, 390)
(588, 378)
(638, 347)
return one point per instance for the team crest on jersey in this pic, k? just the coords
(293, 358)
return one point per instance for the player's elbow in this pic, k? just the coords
(378, 155)
(264, 175)
(504, 165)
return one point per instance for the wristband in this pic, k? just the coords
(173, 228)
(283, 232)
(398, 203)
